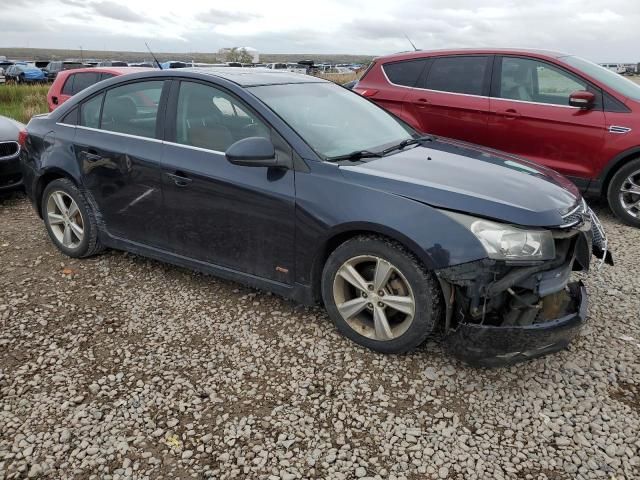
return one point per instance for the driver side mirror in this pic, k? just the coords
(253, 152)
(582, 99)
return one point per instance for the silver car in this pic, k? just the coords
(10, 175)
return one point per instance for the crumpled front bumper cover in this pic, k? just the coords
(495, 346)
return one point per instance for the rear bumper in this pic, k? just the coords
(493, 346)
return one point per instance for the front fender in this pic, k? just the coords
(327, 206)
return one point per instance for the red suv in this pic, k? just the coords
(70, 82)
(556, 109)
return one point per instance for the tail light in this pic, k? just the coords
(22, 137)
(366, 92)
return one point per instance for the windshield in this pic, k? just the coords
(331, 119)
(611, 79)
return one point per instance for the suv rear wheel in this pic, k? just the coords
(379, 295)
(624, 193)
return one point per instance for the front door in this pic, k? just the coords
(118, 148)
(241, 218)
(531, 117)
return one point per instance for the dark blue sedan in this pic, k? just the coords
(292, 184)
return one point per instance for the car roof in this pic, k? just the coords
(472, 51)
(252, 77)
(114, 70)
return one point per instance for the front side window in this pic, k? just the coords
(82, 81)
(458, 74)
(132, 108)
(331, 119)
(207, 117)
(535, 81)
(404, 73)
(90, 112)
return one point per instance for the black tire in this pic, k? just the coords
(90, 244)
(426, 292)
(613, 193)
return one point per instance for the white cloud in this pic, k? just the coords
(591, 28)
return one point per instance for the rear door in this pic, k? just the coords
(531, 116)
(118, 148)
(241, 218)
(451, 97)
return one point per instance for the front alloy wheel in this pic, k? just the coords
(380, 295)
(624, 193)
(630, 194)
(374, 297)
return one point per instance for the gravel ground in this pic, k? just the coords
(122, 367)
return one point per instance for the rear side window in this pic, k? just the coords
(90, 112)
(67, 88)
(132, 109)
(404, 73)
(84, 80)
(458, 75)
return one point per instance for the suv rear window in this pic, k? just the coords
(458, 74)
(404, 73)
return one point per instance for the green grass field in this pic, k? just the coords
(21, 102)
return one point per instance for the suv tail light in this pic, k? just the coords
(366, 92)
(22, 137)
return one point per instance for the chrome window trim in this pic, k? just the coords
(156, 140)
(15, 155)
(192, 147)
(535, 103)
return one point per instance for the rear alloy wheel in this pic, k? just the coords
(379, 295)
(624, 193)
(69, 219)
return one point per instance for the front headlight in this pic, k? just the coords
(506, 242)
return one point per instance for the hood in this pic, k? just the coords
(9, 129)
(470, 179)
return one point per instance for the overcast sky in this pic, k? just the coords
(599, 30)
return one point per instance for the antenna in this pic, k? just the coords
(154, 57)
(414, 47)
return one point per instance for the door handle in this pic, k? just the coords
(510, 113)
(423, 102)
(179, 179)
(91, 156)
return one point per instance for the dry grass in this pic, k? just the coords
(21, 102)
(340, 77)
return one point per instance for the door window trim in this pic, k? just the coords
(497, 74)
(486, 81)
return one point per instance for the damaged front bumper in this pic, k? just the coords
(500, 313)
(492, 346)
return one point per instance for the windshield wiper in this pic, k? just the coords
(406, 143)
(356, 155)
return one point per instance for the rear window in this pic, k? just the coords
(458, 75)
(404, 73)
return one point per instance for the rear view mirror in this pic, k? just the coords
(582, 99)
(253, 152)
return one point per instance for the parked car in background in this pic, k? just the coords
(112, 63)
(293, 184)
(70, 82)
(558, 110)
(54, 68)
(615, 67)
(10, 174)
(24, 73)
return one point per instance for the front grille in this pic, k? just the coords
(9, 149)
